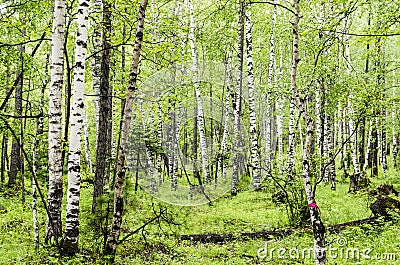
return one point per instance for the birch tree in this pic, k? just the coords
(200, 112)
(316, 223)
(238, 95)
(53, 225)
(253, 120)
(395, 139)
(112, 239)
(96, 61)
(353, 137)
(70, 244)
(268, 111)
(291, 139)
(279, 118)
(225, 133)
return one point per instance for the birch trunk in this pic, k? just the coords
(149, 154)
(316, 223)
(291, 140)
(340, 133)
(238, 95)
(318, 121)
(353, 138)
(200, 113)
(362, 152)
(369, 147)
(225, 133)
(53, 224)
(279, 119)
(113, 236)
(70, 244)
(153, 182)
(159, 133)
(383, 141)
(255, 163)
(268, 111)
(96, 61)
(330, 145)
(174, 181)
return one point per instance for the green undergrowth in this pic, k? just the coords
(249, 211)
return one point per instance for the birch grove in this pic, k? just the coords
(237, 119)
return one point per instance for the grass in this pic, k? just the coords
(249, 211)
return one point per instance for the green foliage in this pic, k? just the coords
(158, 243)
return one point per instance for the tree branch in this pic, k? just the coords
(3, 105)
(141, 227)
(271, 3)
(2, 45)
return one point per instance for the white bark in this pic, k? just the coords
(379, 137)
(331, 170)
(318, 121)
(238, 95)
(77, 118)
(53, 225)
(279, 119)
(200, 113)
(159, 133)
(224, 142)
(174, 180)
(96, 61)
(149, 154)
(340, 132)
(353, 138)
(384, 141)
(291, 141)
(268, 111)
(369, 146)
(252, 106)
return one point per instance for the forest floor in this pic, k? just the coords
(160, 241)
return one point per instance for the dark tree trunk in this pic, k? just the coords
(68, 95)
(4, 157)
(102, 150)
(15, 163)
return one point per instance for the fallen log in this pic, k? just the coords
(267, 235)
